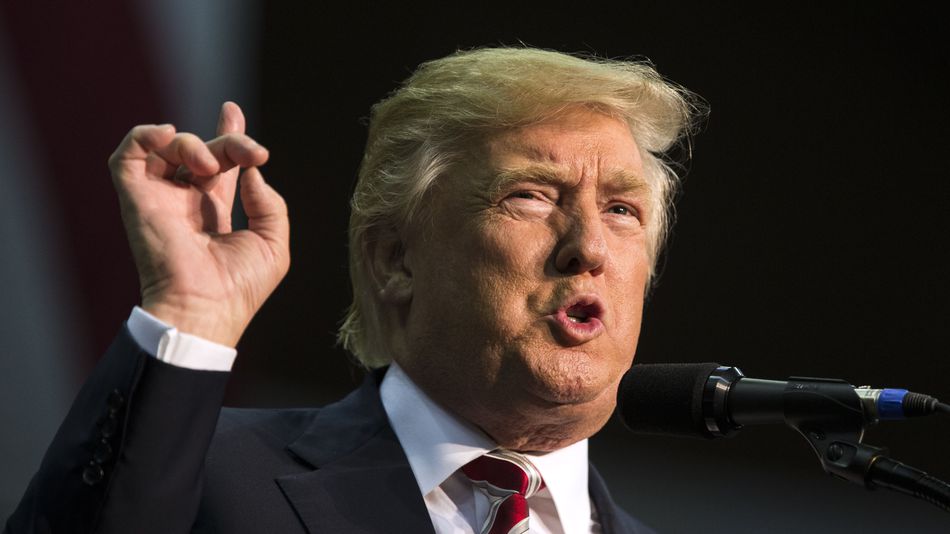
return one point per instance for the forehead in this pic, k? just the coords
(580, 145)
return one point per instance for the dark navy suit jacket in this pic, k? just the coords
(140, 452)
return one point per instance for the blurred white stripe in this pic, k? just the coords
(207, 52)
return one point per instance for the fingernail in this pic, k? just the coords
(182, 176)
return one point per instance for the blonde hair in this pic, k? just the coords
(426, 126)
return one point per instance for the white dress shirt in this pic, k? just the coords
(169, 345)
(436, 442)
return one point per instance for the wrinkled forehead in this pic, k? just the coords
(614, 180)
(564, 151)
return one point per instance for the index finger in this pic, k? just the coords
(237, 150)
(141, 140)
(231, 119)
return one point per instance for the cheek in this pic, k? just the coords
(511, 259)
(487, 269)
(626, 283)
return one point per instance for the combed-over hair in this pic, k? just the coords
(427, 125)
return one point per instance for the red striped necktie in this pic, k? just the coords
(508, 479)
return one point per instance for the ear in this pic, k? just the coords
(386, 255)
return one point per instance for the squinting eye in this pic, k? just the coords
(524, 194)
(620, 209)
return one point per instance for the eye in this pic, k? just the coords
(622, 209)
(529, 202)
(531, 194)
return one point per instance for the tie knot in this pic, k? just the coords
(505, 470)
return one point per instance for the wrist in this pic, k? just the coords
(202, 319)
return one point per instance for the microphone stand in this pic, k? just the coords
(828, 414)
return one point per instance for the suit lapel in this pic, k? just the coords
(362, 481)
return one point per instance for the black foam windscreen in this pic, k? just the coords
(665, 398)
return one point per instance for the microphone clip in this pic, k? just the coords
(828, 413)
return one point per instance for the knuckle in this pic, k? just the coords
(187, 139)
(236, 143)
(237, 138)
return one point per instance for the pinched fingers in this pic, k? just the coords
(184, 157)
(229, 151)
(237, 150)
(189, 151)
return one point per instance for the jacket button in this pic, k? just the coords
(93, 474)
(103, 453)
(108, 426)
(115, 401)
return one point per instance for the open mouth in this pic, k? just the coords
(582, 313)
(579, 319)
(582, 310)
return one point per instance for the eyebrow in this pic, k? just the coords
(617, 181)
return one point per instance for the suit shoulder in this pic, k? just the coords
(281, 425)
(250, 446)
(260, 436)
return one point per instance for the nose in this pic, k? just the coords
(583, 248)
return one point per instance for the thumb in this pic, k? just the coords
(266, 210)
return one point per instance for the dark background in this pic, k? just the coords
(810, 237)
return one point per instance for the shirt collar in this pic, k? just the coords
(437, 444)
(565, 476)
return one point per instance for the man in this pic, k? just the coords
(509, 211)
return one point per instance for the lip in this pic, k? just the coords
(571, 333)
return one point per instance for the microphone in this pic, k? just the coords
(711, 400)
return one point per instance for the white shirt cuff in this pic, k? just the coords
(166, 343)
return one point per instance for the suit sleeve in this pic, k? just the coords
(129, 456)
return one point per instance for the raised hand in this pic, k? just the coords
(176, 193)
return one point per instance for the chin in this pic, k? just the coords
(575, 391)
(573, 379)
(571, 376)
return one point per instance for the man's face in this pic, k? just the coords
(528, 273)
